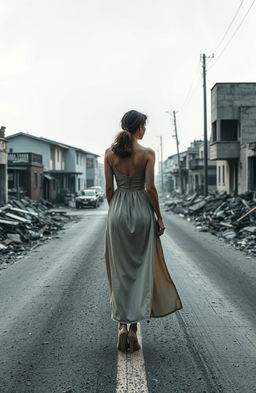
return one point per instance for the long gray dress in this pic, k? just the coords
(139, 282)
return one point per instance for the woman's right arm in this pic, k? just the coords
(151, 189)
(108, 178)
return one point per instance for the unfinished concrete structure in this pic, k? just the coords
(233, 137)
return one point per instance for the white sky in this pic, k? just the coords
(70, 69)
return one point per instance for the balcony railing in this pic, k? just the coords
(198, 163)
(25, 158)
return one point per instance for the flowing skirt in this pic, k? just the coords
(139, 282)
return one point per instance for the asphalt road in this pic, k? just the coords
(56, 335)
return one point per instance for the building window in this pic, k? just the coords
(79, 184)
(252, 173)
(77, 158)
(223, 175)
(58, 155)
(214, 131)
(228, 130)
(219, 174)
(36, 179)
(211, 180)
(11, 150)
(89, 163)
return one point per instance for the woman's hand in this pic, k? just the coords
(160, 226)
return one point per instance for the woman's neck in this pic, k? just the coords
(135, 140)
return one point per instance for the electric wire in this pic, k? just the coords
(192, 86)
(233, 35)
(229, 27)
(196, 76)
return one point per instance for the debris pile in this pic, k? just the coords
(232, 218)
(25, 224)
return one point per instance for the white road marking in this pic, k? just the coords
(131, 374)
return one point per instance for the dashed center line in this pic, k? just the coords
(131, 374)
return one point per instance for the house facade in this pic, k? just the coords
(25, 175)
(64, 166)
(233, 136)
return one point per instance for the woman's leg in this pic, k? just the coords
(133, 327)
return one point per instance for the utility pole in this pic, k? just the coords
(203, 57)
(160, 163)
(178, 152)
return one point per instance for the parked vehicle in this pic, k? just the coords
(87, 197)
(99, 191)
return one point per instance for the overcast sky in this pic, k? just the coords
(70, 69)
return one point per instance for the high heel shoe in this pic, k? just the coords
(122, 339)
(132, 341)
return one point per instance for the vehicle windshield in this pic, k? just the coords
(88, 193)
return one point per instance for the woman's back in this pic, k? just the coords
(132, 164)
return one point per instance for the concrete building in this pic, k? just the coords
(192, 170)
(233, 137)
(3, 166)
(171, 172)
(65, 167)
(195, 166)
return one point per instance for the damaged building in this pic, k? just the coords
(233, 137)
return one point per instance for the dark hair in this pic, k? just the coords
(130, 122)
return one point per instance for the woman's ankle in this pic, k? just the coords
(133, 327)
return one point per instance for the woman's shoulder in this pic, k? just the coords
(147, 150)
(108, 153)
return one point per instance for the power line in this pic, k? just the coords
(229, 27)
(196, 76)
(193, 84)
(233, 35)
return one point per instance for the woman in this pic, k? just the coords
(139, 282)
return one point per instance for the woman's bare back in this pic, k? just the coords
(130, 165)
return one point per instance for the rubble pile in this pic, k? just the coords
(232, 218)
(25, 224)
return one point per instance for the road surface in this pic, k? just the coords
(56, 335)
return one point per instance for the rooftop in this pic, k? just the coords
(50, 141)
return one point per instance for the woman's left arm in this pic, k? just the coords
(108, 178)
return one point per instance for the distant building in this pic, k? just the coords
(192, 170)
(195, 166)
(171, 172)
(233, 136)
(67, 169)
(101, 177)
(3, 166)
